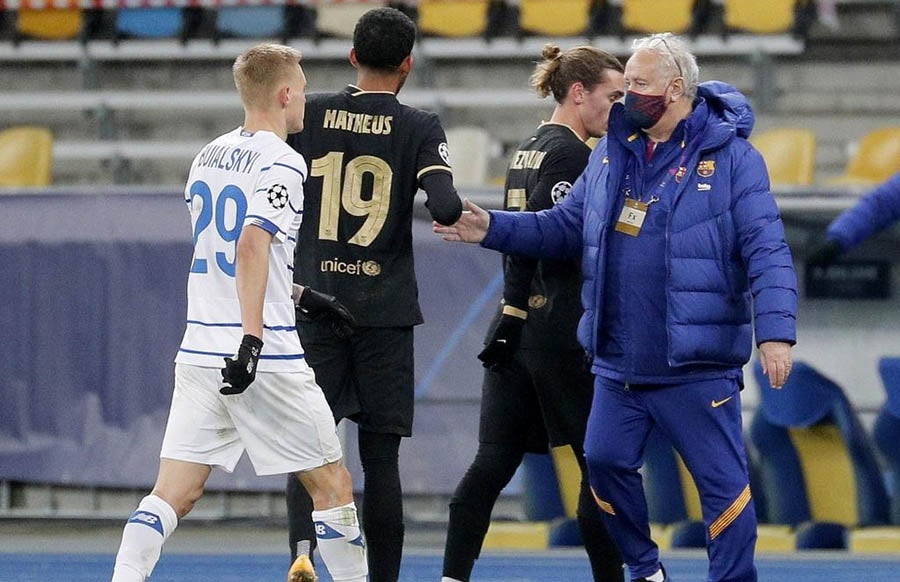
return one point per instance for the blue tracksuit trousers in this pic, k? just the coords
(703, 421)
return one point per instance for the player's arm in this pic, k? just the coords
(557, 176)
(252, 275)
(435, 175)
(443, 201)
(558, 172)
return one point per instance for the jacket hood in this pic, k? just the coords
(729, 105)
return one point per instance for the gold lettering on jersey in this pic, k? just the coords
(527, 160)
(362, 123)
(359, 267)
(516, 199)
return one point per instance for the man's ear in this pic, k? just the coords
(577, 92)
(353, 60)
(677, 88)
(284, 96)
(406, 64)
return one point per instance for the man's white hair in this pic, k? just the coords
(676, 61)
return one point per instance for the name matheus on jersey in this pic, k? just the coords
(357, 122)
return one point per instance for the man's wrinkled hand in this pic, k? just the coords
(775, 358)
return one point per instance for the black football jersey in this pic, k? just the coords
(540, 174)
(366, 153)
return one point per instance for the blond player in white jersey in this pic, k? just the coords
(245, 196)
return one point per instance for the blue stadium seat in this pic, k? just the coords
(819, 471)
(886, 431)
(250, 21)
(149, 22)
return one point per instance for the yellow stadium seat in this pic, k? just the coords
(653, 16)
(559, 18)
(517, 535)
(875, 540)
(876, 159)
(453, 18)
(340, 19)
(50, 24)
(26, 156)
(790, 155)
(771, 17)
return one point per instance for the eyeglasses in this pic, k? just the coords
(662, 40)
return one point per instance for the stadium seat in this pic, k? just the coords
(339, 19)
(559, 18)
(149, 22)
(771, 17)
(886, 431)
(63, 24)
(790, 154)
(818, 468)
(26, 156)
(651, 16)
(470, 153)
(876, 159)
(453, 18)
(250, 21)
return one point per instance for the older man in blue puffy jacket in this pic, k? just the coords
(684, 259)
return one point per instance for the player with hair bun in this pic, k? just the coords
(537, 390)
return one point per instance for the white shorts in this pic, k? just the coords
(282, 420)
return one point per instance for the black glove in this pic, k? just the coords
(324, 308)
(824, 253)
(504, 342)
(239, 374)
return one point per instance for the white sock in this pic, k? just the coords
(658, 577)
(142, 539)
(448, 579)
(341, 544)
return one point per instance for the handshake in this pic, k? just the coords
(320, 307)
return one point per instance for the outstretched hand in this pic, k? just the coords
(471, 227)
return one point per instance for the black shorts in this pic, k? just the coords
(543, 398)
(368, 378)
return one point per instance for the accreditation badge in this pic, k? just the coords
(632, 218)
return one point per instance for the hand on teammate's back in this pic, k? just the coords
(504, 342)
(321, 307)
(239, 373)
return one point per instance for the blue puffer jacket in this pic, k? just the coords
(725, 237)
(875, 211)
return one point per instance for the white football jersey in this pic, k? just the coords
(242, 180)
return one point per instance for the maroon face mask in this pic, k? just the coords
(644, 111)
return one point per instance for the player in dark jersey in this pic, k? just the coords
(368, 155)
(537, 389)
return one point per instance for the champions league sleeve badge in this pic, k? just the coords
(277, 195)
(560, 190)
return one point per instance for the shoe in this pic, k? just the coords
(302, 570)
(665, 576)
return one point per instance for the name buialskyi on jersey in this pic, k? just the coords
(227, 158)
